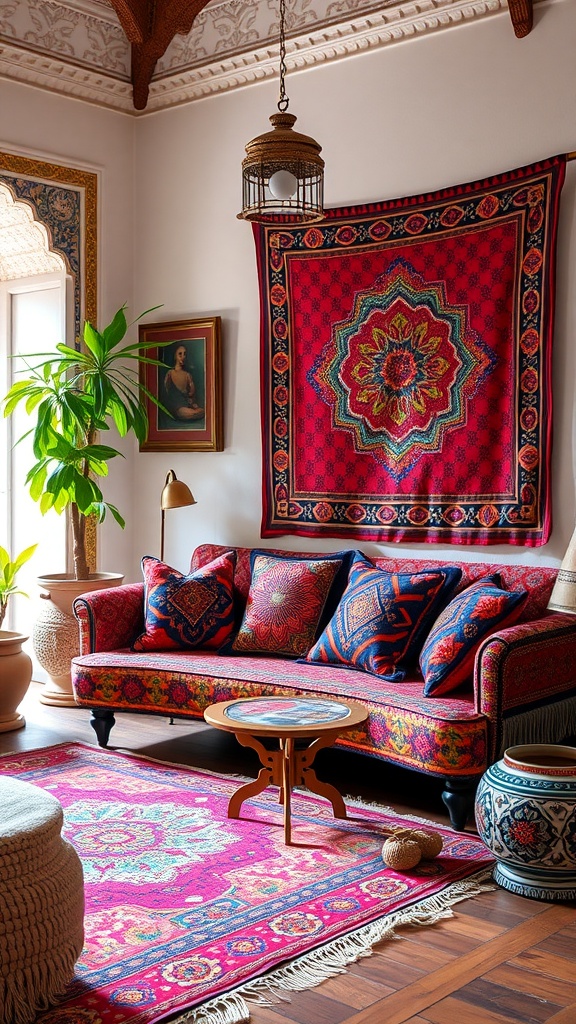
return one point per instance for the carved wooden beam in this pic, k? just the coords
(150, 26)
(522, 14)
(133, 17)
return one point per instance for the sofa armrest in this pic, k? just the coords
(110, 619)
(526, 666)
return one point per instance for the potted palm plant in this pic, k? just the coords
(15, 664)
(75, 396)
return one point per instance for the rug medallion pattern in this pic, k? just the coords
(184, 904)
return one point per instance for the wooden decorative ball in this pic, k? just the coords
(401, 854)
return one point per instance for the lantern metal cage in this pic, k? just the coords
(279, 157)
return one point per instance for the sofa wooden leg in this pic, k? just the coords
(102, 721)
(458, 795)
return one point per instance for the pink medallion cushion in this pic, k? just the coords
(190, 611)
(447, 658)
(284, 606)
(380, 623)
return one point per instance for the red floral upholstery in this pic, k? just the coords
(524, 676)
(441, 737)
(110, 618)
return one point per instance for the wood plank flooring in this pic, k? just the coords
(500, 959)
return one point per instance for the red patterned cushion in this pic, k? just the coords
(382, 618)
(447, 658)
(285, 602)
(187, 611)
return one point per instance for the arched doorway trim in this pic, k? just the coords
(64, 199)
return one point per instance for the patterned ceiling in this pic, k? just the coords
(133, 55)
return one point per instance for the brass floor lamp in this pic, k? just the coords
(175, 494)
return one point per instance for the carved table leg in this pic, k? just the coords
(304, 774)
(287, 776)
(269, 774)
(286, 768)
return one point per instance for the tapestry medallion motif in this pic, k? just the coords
(406, 357)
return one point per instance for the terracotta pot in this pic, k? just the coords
(526, 816)
(56, 636)
(15, 676)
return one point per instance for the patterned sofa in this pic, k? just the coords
(523, 689)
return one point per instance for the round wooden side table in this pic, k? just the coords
(287, 719)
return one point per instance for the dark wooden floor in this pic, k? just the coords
(500, 959)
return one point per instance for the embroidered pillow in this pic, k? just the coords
(187, 611)
(383, 617)
(285, 602)
(447, 658)
(340, 579)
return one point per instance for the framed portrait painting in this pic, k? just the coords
(188, 383)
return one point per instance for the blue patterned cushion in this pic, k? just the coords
(383, 617)
(187, 611)
(447, 658)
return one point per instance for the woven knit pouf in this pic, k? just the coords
(41, 902)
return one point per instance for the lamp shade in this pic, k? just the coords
(283, 173)
(175, 493)
(563, 597)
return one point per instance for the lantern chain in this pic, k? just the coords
(283, 101)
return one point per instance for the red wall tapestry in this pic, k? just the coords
(406, 360)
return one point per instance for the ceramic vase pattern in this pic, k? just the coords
(15, 676)
(56, 634)
(526, 816)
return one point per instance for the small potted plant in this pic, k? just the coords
(15, 665)
(75, 396)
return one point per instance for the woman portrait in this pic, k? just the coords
(182, 370)
(182, 388)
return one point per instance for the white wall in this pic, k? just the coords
(434, 111)
(59, 130)
(429, 112)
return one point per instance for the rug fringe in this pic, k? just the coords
(327, 961)
(229, 1008)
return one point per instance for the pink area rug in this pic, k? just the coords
(187, 909)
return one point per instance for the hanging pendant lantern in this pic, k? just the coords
(283, 172)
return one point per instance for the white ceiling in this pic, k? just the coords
(77, 47)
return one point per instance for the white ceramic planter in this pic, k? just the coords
(15, 676)
(526, 816)
(56, 635)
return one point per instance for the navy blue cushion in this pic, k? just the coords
(447, 658)
(196, 610)
(383, 617)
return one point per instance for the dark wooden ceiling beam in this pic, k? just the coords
(133, 17)
(522, 14)
(150, 26)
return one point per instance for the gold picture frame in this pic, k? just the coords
(188, 384)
